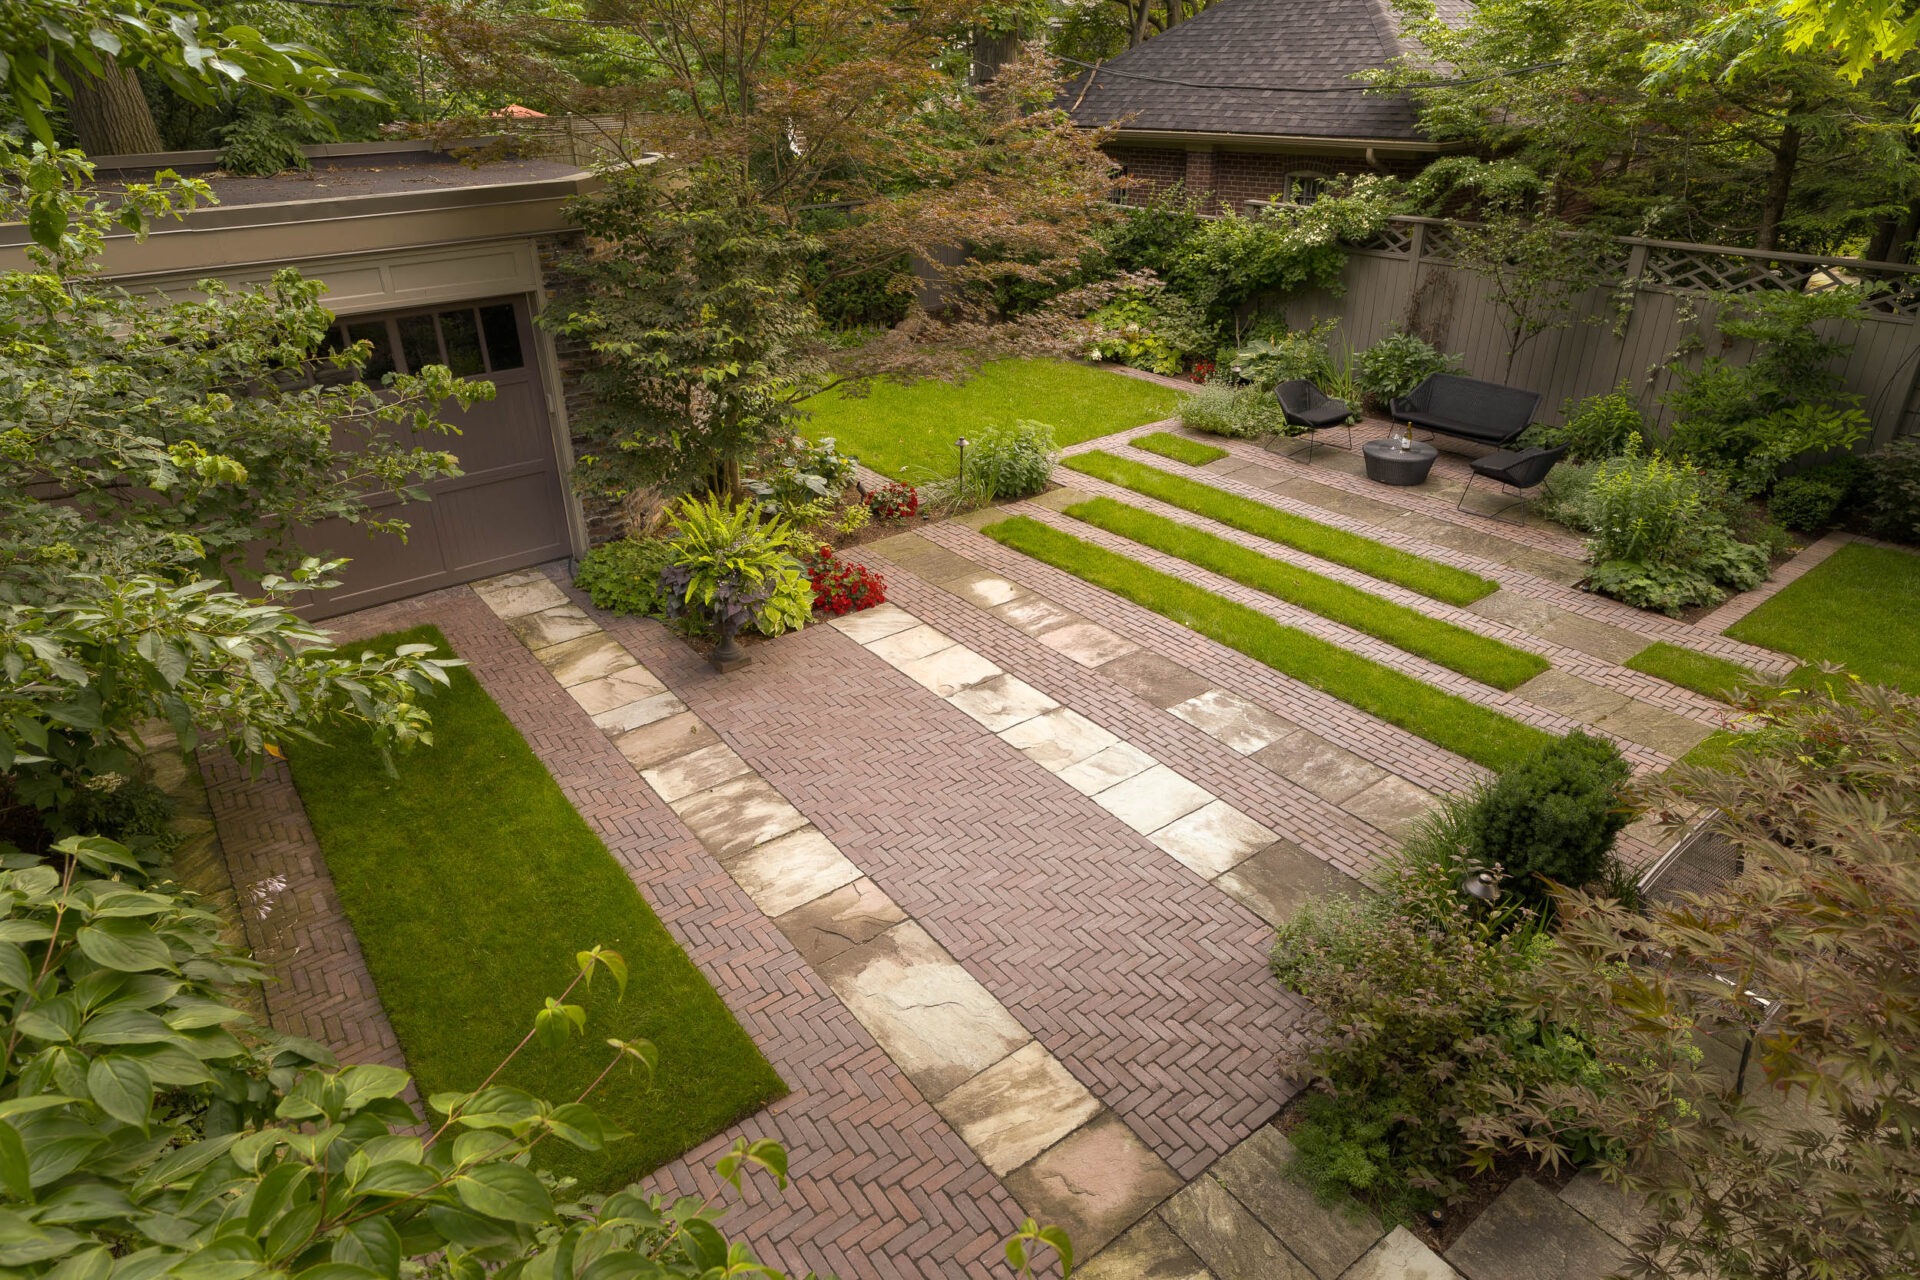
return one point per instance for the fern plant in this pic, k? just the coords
(730, 570)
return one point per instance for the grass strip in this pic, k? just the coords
(1851, 609)
(1455, 648)
(1179, 448)
(1375, 559)
(1476, 732)
(1690, 669)
(471, 882)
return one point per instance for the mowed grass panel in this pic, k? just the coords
(1466, 728)
(1179, 448)
(1472, 655)
(471, 882)
(1860, 608)
(1375, 559)
(1703, 673)
(908, 431)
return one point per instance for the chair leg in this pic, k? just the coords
(1460, 503)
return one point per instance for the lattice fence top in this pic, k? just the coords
(1896, 292)
(1394, 239)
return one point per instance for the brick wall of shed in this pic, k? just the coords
(1230, 177)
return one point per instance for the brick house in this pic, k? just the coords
(1255, 100)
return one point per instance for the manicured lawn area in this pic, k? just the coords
(1376, 559)
(1455, 648)
(1179, 448)
(1859, 608)
(1441, 718)
(1704, 674)
(907, 432)
(471, 882)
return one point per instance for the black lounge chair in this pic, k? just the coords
(1484, 412)
(1519, 470)
(1305, 405)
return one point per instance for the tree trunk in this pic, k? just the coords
(1900, 248)
(1140, 16)
(1786, 156)
(1176, 13)
(109, 113)
(991, 51)
(1882, 239)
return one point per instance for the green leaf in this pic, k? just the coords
(290, 1233)
(126, 945)
(395, 1178)
(367, 1082)
(15, 1174)
(272, 1195)
(122, 1088)
(504, 1191)
(578, 1124)
(372, 1244)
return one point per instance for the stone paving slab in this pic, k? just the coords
(1148, 1251)
(1528, 1232)
(1018, 1107)
(1224, 1234)
(1401, 1255)
(1096, 1183)
(1328, 1239)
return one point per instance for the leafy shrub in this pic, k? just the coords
(130, 811)
(1418, 992)
(1810, 501)
(897, 501)
(1562, 496)
(262, 143)
(1221, 408)
(624, 576)
(1268, 362)
(1156, 332)
(728, 570)
(1396, 365)
(1893, 486)
(1552, 818)
(1747, 420)
(1596, 428)
(796, 472)
(842, 586)
(1013, 462)
(1659, 533)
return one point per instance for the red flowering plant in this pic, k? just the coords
(1202, 370)
(842, 586)
(895, 502)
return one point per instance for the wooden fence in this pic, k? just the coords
(1657, 305)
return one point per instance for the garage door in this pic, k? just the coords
(509, 508)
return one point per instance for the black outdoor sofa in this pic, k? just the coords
(1484, 412)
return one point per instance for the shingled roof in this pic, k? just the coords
(1297, 56)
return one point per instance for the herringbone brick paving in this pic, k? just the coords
(1512, 705)
(1392, 748)
(881, 1185)
(318, 984)
(1634, 684)
(1145, 980)
(1317, 826)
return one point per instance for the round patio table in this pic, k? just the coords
(1388, 463)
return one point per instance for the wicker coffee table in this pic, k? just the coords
(1388, 463)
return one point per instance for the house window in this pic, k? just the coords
(1302, 186)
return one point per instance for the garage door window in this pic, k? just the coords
(471, 341)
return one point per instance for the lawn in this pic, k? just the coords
(1472, 655)
(1690, 669)
(471, 882)
(907, 432)
(1179, 448)
(1859, 608)
(1464, 727)
(1375, 559)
